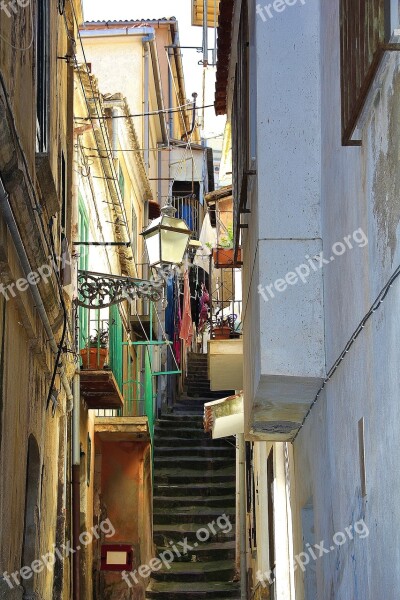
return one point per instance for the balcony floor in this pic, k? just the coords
(100, 390)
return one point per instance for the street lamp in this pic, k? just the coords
(166, 238)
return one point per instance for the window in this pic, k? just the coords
(83, 227)
(121, 181)
(134, 233)
(88, 459)
(368, 28)
(271, 525)
(42, 75)
(241, 121)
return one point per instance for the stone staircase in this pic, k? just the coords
(194, 505)
(197, 383)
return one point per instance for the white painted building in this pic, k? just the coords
(315, 160)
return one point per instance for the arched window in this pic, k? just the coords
(31, 526)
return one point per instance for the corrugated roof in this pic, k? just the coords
(127, 22)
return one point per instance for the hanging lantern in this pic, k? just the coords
(166, 238)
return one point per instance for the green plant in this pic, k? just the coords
(227, 240)
(99, 339)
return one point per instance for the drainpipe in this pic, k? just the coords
(242, 516)
(75, 434)
(205, 33)
(146, 104)
(6, 210)
(76, 493)
(171, 115)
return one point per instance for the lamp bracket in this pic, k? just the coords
(99, 290)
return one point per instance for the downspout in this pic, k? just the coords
(205, 33)
(146, 120)
(76, 492)
(171, 115)
(76, 447)
(242, 516)
(6, 210)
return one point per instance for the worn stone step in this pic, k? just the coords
(207, 450)
(181, 502)
(179, 432)
(204, 441)
(206, 552)
(212, 489)
(165, 533)
(222, 570)
(195, 421)
(174, 418)
(191, 590)
(192, 514)
(198, 463)
(191, 477)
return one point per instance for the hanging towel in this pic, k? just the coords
(186, 332)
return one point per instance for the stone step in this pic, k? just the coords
(181, 502)
(211, 490)
(198, 463)
(204, 441)
(206, 450)
(222, 570)
(192, 591)
(165, 533)
(179, 432)
(190, 477)
(206, 552)
(174, 418)
(192, 514)
(197, 422)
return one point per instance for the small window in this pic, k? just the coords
(42, 75)
(134, 233)
(88, 459)
(121, 182)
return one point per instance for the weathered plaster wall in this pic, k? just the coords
(360, 189)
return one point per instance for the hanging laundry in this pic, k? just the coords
(186, 331)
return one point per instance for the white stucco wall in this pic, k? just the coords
(360, 189)
(312, 189)
(284, 330)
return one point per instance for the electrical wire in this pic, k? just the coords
(104, 135)
(374, 307)
(166, 111)
(32, 36)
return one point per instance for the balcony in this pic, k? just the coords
(101, 359)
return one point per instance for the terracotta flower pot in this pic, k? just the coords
(93, 358)
(225, 258)
(221, 332)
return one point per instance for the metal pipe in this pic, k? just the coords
(242, 516)
(8, 215)
(205, 33)
(146, 100)
(76, 492)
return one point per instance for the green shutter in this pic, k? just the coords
(116, 347)
(83, 228)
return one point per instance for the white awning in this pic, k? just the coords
(224, 417)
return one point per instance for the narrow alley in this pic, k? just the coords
(199, 277)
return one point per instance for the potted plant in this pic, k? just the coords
(95, 354)
(224, 254)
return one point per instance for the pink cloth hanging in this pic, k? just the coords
(186, 332)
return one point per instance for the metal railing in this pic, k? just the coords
(191, 211)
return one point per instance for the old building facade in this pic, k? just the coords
(315, 185)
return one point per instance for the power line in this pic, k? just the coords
(374, 307)
(165, 111)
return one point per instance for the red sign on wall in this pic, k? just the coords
(116, 557)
